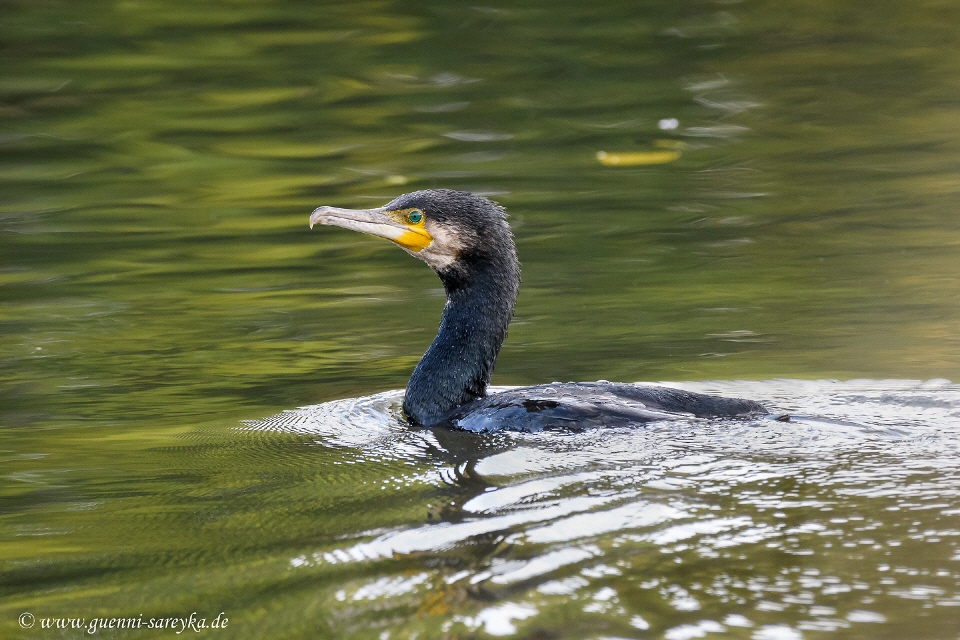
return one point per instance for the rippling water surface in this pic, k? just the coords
(844, 519)
(699, 191)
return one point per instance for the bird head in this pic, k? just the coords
(442, 227)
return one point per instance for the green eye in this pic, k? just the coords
(415, 216)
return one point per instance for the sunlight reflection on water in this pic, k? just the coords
(590, 517)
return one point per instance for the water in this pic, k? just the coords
(774, 202)
(763, 528)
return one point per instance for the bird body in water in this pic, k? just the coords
(466, 240)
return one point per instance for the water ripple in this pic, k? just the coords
(609, 517)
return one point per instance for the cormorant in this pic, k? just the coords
(466, 240)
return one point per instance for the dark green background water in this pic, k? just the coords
(159, 160)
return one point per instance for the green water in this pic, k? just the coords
(159, 284)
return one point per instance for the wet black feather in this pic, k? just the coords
(448, 385)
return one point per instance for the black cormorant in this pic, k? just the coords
(466, 240)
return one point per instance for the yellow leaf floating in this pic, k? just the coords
(636, 158)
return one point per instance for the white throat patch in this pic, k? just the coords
(443, 251)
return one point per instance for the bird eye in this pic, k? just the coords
(415, 216)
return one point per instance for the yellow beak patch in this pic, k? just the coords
(414, 236)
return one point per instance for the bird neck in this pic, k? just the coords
(456, 368)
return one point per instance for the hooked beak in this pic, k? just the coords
(371, 221)
(375, 222)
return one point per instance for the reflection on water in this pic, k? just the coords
(844, 518)
(699, 191)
